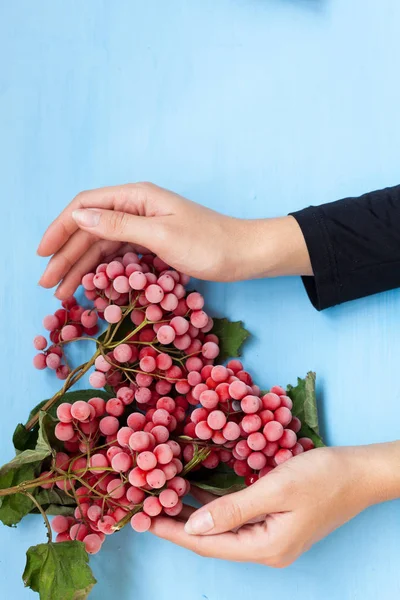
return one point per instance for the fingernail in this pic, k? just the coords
(200, 522)
(86, 218)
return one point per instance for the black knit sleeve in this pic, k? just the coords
(354, 246)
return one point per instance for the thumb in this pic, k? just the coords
(234, 510)
(116, 226)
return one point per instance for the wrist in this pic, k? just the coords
(273, 248)
(379, 467)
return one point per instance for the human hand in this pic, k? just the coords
(193, 239)
(291, 508)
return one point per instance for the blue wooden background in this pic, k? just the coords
(253, 107)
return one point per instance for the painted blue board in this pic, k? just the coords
(252, 107)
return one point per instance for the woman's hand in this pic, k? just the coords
(291, 508)
(202, 243)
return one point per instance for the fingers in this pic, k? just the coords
(229, 546)
(96, 254)
(233, 510)
(135, 199)
(62, 228)
(118, 226)
(66, 257)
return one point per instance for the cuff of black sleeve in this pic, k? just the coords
(323, 288)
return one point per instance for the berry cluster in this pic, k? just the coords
(172, 410)
(67, 324)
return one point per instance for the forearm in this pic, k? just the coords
(382, 471)
(271, 248)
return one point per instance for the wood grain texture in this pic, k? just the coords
(253, 107)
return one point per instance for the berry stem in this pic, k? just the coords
(45, 518)
(73, 377)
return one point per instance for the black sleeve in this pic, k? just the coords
(354, 246)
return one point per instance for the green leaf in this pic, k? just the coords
(219, 481)
(24, 467)
(231, 336)
(305, 407)
(54, 502)
(59, 571)
(14, 507)
(26, 440)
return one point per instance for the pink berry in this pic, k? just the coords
(273, 431)
(295, 424)
(113, 313)
(115, 488)
(40, 342)
(251, 423)
(257, 460)
(166, 335)
(121, 284)
(168, 498)
(166, 282)
(256, 441)
(122, 353)
(216, 419)
(156, 478)
(210, 350)
(137, 477)
(307, 443)
(69, 332)
(92, 543)
(64, 431)
(203, 431)
(99, 406)
(282, 456)
(160, 433)
(146, 460)
(271, 401)
(283, 415)
(62, 372)
(78, 532)
(59, 524)
(97, 379)
(53, 361)
(250, 404)
(163, 453)
(152, 506)
(80, 410)
(134, 495)
(98, 463)
(109, 425)
(126, 394)
(64, 412)
(114, 269)
(277, 389)
(136, 421)
(140, 522)
(115, 407)
(154, 293)
(209, 399)
(288, 439)
(51, 323)
(195, 301)
(180, 325)
(102, 364)
(297, 449)
(169, 302)
(87, 281)
(231, 431)
(39, 361)
(137, 280)
(106, 525)
(199, 318)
